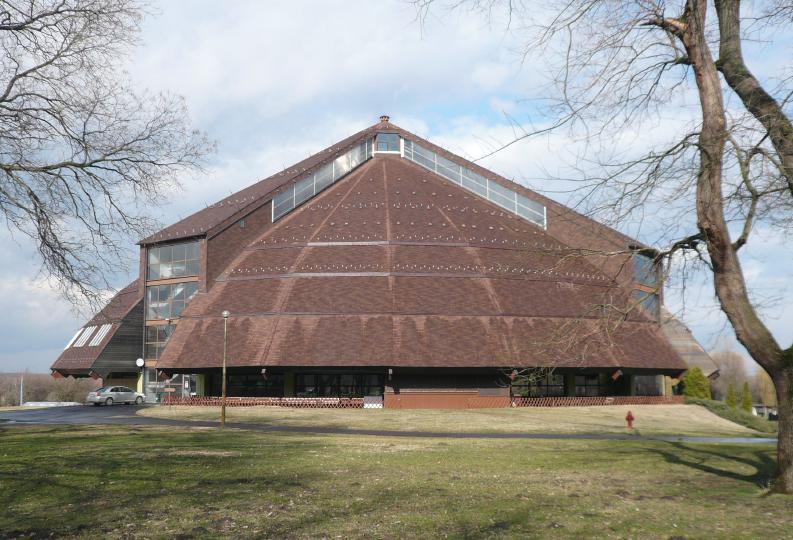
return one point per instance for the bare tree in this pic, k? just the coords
(614, 68)
(763, 389)
(82, 153)
(732, 371)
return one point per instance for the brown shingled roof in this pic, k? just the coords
(396, 266)
(241, 203)
(81, 359)
(686, 345)
(216, 216)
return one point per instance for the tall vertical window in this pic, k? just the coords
(644, 270)
(172, 260)
(156, 338)
(168, 301)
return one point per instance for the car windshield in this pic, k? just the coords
(101, 389)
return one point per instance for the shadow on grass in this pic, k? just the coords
(702, 459)
(59, 481)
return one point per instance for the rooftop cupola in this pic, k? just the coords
(385, 118)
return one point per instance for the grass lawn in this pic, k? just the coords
(650, 419)
(122, 482)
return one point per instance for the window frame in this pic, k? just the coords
(190, 260)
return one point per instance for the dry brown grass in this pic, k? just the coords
(650, 419)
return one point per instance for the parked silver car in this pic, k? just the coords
(115, 394)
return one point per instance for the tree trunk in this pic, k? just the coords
(783, 382)
(728, 278)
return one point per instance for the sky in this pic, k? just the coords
(273, 82)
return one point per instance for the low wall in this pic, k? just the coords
(310, 403)
(429, 400)
(443, 400)
(595, 401)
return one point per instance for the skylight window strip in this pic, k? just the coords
(531, 205)
(502, 196)
(103, 330)
(71, 341)
(303, 190)
(85, 335)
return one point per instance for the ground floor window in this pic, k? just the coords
(549, 385)
(590, 385)
(338, 385)
(255, 385)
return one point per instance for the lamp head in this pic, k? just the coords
(225, 314)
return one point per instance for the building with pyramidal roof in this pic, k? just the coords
(384, 266)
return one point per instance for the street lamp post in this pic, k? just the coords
(225, 315)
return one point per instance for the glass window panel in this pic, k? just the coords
(508, 203)
(420, 151)
(356, 156)
(387, 142)
(84, 336)
(178, 253)
(341, 166)
(154, 255)
(174, 260)
(407, 147)
(424, 161)
(192, 289)
(191, 251)
(166, 254)
(449, 167)
(166, 271)
(324, 177)
(178, 269)
(100, 335)
(644, 270)
(531, 216)
(304, 190)
(475, 187)
(502, 191)
(531, 205)
(178, 292)
(284, 197)
(284, 208)
(453, 175)
(71, 341)
(500, 195)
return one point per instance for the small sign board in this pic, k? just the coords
(169, 389)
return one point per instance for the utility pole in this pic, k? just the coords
(21, 388)
(225, 315)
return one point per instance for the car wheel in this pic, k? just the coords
(139, 401)
(109, 401)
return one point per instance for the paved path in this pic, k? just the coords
(125, 415)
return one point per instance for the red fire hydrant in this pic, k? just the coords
(629, 419)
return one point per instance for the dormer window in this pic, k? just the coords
(386, 142)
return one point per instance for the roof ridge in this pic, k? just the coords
(256, 194)
(283, 177)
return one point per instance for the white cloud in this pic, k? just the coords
(276, 81)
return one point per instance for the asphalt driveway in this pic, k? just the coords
(125, 415)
